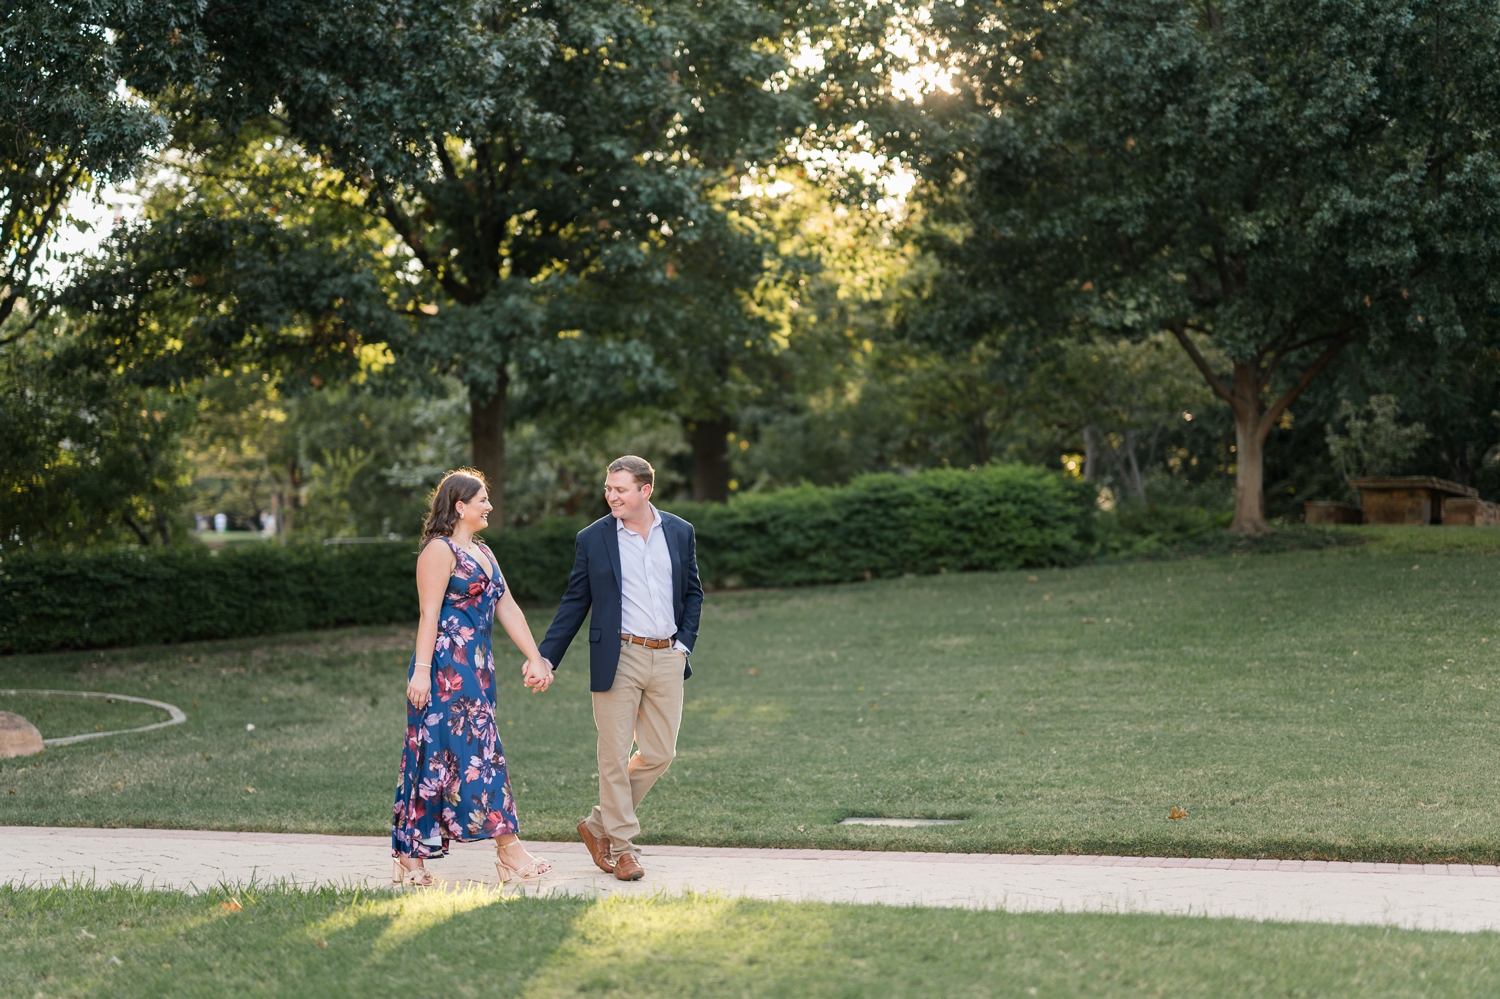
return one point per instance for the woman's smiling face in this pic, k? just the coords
(475, 513)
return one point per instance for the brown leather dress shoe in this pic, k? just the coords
(598, 848)
(628, 869)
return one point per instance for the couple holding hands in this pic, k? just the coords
(637, 570)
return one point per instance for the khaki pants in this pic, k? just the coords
(644, 705)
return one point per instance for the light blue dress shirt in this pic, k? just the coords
(646, 582)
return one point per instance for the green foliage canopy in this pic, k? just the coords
(1373, 444)
(87, 457)
(1282, 178)
(549, 169)
(64, 126)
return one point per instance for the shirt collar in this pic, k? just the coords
(655, 520)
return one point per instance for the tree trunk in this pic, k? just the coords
(1250, 431)
(711, 459)
(1251, 425)
(980, 434)
(289, 501)
(1249, 474)
(142, 535)
(487, 440)
(1090, 453)
(1137, 484)
(278, 511)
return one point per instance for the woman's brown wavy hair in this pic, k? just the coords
(458, 486)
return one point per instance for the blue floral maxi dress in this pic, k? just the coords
(454, 783)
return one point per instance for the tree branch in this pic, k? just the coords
(1221, 265)
(407, 230)
(1179, 330)
(6, 307)
(449, 171)
(58, 187)
(1282, 347)
(1269, 418)
(130, 523)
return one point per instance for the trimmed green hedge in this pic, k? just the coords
(130, 597)
(999, 517)
(996, 517)
(77, 600)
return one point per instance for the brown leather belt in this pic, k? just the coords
(650, 643)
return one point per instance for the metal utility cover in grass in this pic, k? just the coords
(872, 820)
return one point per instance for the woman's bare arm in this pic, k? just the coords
(513, 620)
(434, 569)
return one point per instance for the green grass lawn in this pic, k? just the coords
(123, 942)
(1341, 703)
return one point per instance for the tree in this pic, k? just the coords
(547, 167)
(832, 404)
(1373, 445)
(248, 286)
(1119, 396)
(1283, 178)
(247, 254)
(86, 456)
(64, 127)
(1455, 393)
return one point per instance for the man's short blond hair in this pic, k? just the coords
(640, 468)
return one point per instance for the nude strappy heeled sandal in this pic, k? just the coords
(531, 872)
(419, 877)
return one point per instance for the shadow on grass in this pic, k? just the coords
(126, 942)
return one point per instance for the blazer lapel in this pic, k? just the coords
(674, 551)
(608, 527)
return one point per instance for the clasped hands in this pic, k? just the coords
(537, 673)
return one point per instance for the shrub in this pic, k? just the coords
(536, 560)
(1146, 529)
(1151, 530)
(997, 517)
(87, 599)
(52, 600)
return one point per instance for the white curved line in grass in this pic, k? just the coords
(177, 715)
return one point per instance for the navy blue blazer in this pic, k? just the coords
(595, 583)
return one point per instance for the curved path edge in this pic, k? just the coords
(1451, 897)
(176, 716)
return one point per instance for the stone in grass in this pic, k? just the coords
(18, 737)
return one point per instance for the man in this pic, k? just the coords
(638, 571)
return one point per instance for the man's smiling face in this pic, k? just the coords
(627, 498)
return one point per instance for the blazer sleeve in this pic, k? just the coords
(572, 610)
(692, 593)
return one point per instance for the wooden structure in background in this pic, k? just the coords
(1466, 511)
(1330, 512)
(1408, 499)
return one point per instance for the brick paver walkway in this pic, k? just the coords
(1434, 896)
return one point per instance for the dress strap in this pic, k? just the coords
(496, 578)
(454, 550)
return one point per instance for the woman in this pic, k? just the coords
(454, 783)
